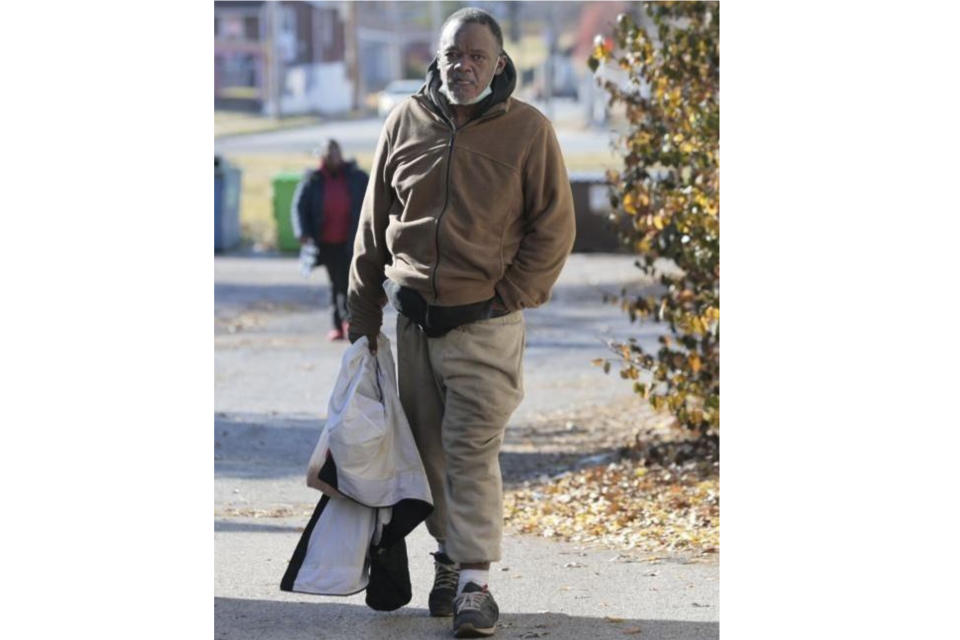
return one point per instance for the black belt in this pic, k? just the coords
(434, 320)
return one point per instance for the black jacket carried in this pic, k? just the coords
(375, 488)
(307, 210)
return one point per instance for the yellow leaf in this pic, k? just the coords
(698, 326)
(695, 363)
(628, 204)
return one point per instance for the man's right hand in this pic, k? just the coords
(371, 341)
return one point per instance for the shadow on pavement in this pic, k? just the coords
(308, 294)
(520, 467)
(255, 445)
(236, 619)
(226, 526)
(264, 446)
(593, 293)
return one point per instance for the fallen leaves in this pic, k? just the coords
(281, 511)
(617, 475)
(240, 322)
(624, 505)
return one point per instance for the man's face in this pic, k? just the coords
(331, 157)
(469, 57)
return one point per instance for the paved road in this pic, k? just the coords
(273, 373)
(360, 136)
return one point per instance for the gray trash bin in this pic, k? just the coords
(226, 205)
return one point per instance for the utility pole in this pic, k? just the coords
(350, 53)
(435, 21)
(267, 30)
(273, 62)
(393, 18)
(513, 11)
(552, 35)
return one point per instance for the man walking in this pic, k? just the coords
(326, 210)
(467, 221)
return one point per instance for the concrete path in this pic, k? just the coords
(274, 370)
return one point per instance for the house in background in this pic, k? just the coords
(281, 58)
(290, 58)
(395, 40)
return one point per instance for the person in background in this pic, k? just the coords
(325, 212)
(467, 221)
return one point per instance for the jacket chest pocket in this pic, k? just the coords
(489, 193)
(419, 177)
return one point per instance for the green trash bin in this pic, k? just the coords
(284, 185)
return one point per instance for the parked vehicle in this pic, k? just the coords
(394, 93)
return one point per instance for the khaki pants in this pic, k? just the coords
(458, 392)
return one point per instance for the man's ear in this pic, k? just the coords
(501, 64)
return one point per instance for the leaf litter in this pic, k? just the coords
(656, 492)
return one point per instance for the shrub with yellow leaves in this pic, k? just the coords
(669, 192)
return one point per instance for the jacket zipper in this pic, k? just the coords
(446, 200)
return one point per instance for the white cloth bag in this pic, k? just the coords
(377, 467)
(367, 433)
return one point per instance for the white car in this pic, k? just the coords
(394, 93)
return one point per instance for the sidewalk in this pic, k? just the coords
(273, 373)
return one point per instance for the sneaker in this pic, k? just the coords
(446, 578)
(335, 334)
(475, 612)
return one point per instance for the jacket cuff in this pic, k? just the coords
(510, 295)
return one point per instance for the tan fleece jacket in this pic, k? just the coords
(460, 215)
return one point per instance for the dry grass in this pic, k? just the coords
(228, 123)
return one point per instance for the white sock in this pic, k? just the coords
(479, 576)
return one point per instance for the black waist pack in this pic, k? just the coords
(437, 321)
